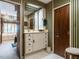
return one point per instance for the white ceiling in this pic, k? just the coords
(45, 1)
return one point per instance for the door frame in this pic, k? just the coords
(21, 23)
(0, 29)
(70, 38)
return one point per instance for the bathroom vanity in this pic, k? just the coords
(35, 34)
(35, 41)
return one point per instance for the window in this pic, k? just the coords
(9, 28)
(5, 28)
(39, 20)
(36, 21)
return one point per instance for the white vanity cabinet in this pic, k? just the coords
(35, 41)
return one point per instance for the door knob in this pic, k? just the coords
(68, 33)
(57, 35)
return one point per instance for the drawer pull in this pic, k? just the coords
(29, 49)
(29, 39)
(33, 41)
(29, 34)
(29, 44)
(45, 41)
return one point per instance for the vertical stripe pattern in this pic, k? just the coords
(75, 21)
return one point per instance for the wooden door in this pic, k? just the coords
(61, 30)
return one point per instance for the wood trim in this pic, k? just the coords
(10, 22)
(22, 28)
(71, 42)
(12, 2)
(61, 6)
(0, 28)
(53, 28)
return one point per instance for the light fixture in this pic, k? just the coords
(33, 5)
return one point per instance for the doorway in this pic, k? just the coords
(9, 30)
(61, 30)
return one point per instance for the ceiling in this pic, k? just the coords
(45, 1)
(30, 9)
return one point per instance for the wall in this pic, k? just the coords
(60, 2)
(49, 22)
(75, 22)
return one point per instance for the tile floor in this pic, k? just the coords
(7, 51)
(43, 55)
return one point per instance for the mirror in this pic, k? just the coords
(34, 16)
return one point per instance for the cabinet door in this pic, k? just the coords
(38, 41)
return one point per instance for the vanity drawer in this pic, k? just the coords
(28, 44)
(46, 35)
(28, 50)
(46, 40)
(28, 40)
(28, 35)
(28, 47)
(46, 45)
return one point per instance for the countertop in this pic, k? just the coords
(26, 31)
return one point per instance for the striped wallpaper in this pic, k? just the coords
(75, 22)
